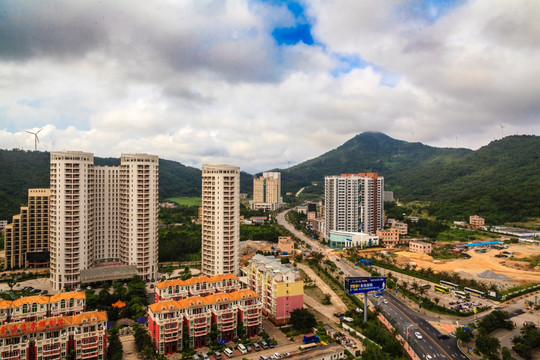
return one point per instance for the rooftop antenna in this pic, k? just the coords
(502, 127)
(36, 138)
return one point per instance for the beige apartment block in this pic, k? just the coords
(220, 219)
(402, 227)
(476, 221)
(102, 215)
(267, 192)
(420, 247)
(138, 231)
(388, 237)
(27, 237)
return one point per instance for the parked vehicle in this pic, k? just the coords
(249, 348)
(264, 344)
(310, 338)
(242, 348)
(196, 357)
(277, 355)
(257, 347)
(205, 356)
(271, 345)
(217, 355)
(262, 357)
(228, 352)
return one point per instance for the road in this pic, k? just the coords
(405, 318)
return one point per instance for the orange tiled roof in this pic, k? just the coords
(119, 304)
(30, 300)
(93, 316)
(5, 304)
(23, 327)
(167, 283)
(68, 295)
(193, 301)
(164, 306)
(195, 280)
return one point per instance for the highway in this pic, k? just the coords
(405, 318)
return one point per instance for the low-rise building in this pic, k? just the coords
(402, 227)
(388, 237)
(38, 327)
(286, 245)
(347, 239)
(178, 289)
(197, 315)
(420, 247)
(476, 221)
(279, 286)
(36, 308)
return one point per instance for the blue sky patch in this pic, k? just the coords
(293, 35)
(431, 10)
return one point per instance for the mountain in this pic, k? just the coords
(23, 170)
(499, 181)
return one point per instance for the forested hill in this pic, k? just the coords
(500, 181)
(22, 170)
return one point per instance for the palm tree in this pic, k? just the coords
(415, 286)
(436, 299)
(421, 291)
(404, 285)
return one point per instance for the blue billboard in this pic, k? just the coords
(360, 285)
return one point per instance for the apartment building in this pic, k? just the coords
(389, 237)
(178, 289)
(54, 338)
(220, 219)
(36, 308)
(167, 320)
(27, 237)
(102, 215)
(267, 192)
(476, 221)
(420, 247)
(402, 227)
(280, 286)
(354, 202)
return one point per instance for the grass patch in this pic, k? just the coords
(460, 235)
(316, 294)
(188, 201)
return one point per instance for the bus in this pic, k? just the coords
(475, 292)
(307, 346)
(441, 288)
(449, 284)
(462, 294)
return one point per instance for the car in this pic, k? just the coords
(277, 355)
(264, 345)
(271, 344)
(205, 356)
(36, 291)
(88, 288)
(287, 354)
(443, 336)
(44, 292)
(217, 355)
(418, 335)
(428, 357)
(262, 357)
(196, 357)
(249, 348)
(385, 301)
(228, 352)
(256, 346)
(242, 348)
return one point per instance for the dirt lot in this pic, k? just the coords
(480, 262)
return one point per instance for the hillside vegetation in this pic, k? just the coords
(500, 181)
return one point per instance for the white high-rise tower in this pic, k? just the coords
(220, 219)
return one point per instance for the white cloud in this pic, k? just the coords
(204, 81)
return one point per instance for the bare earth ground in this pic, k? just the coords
(480, 262)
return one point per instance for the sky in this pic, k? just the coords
(265, 84)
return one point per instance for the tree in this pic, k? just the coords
(506, 354)
(115, 350)
(488, 345)
(12, 282)
(327, 299)
(436, 299)
(463, 334)
(302, 319)
(373, 352)
(415, 286)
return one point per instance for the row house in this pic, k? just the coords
(199, 286)
(192, 319)
(35, 308)
(280, 286)
(54, 338)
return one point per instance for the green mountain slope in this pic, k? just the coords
(22, 170)
(500, 181)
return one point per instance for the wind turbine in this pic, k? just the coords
(502, 127)
(36, 139)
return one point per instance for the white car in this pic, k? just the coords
(385, 301)
(277, 355)
(418, 335)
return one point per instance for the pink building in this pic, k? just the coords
(420, 247)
